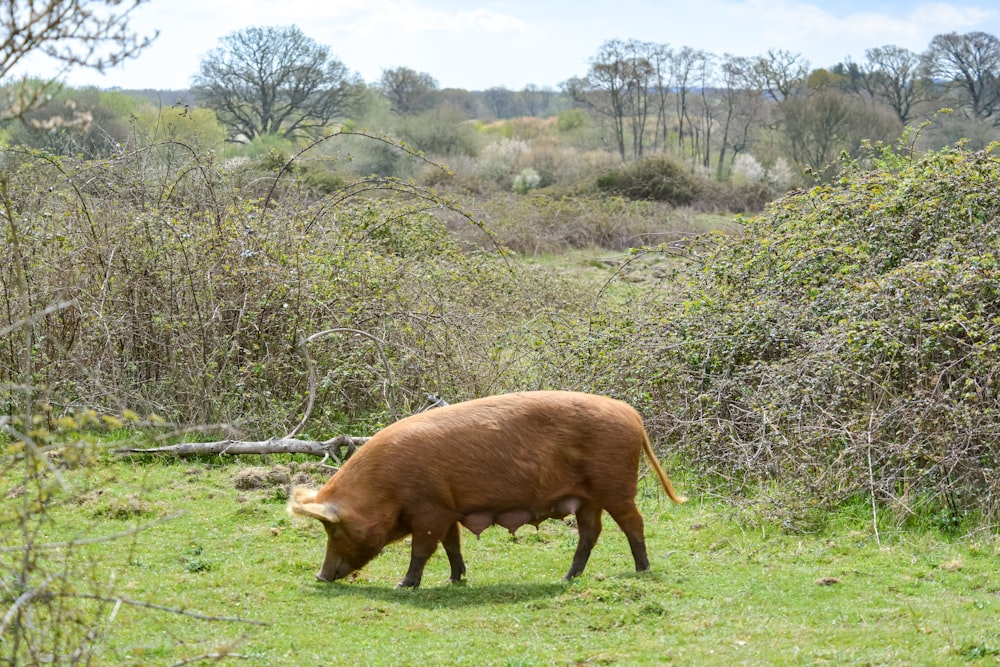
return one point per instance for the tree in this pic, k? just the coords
(660, 57)
(892, 75)
(742, 102)
(408, 91)
(82, 121)
(274, 80)
(75, 33)
(500, 102)
(703, 131)
(463, 100)
(682, 65)
(826, 122)
(621, 79)
(971, 62)
(783, 72)
(535, 100)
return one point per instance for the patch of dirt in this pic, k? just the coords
(249, 479)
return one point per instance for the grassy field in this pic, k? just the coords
(718, 593)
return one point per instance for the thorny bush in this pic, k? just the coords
(182, 295)
(844, 347)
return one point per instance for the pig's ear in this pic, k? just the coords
(303, 503)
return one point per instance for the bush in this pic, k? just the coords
(657, 178)
(844, 346)
(184, 298)
(440, 132)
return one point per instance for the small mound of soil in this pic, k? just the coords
(261, 478)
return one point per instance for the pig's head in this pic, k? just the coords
(345, 553)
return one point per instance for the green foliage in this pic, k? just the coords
(542, 224)
(76, 121)
(271, 151)
(845, 345)
(571, 120)
(440, 132)
(196, 127)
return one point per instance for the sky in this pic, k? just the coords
(480, 44)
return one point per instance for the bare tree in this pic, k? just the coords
(971, 63)
(705, 72)
(784, 76)
(742, 105)
(783, 73)
(535, 100)
(660, 57)
(892, 74)
(274, 80)
(603, 89)
(500, 101)
(75, 33)
(826, 122)
(408, 91)
(618, 86)
(684, 67)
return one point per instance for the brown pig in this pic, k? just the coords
(507, 460)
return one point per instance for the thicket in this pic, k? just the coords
(843, 348)
(153, 283)
(664, 179)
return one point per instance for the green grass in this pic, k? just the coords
(716, 595)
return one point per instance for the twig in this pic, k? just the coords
(22, 601)
(172, 610)
(93, 540)
(216, 656)
(379, 345)
(871, 479)
(32, 319)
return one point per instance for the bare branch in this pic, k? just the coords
(94, 540)
(172, 610)
(312, 373)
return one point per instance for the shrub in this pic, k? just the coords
(844, 346)
(184, 298)
(440, 132)
(656, 178)
(528, 179)
(501, 160)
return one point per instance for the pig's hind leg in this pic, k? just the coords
(627, 516)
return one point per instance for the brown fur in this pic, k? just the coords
(506, 460)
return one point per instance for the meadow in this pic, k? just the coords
(719, 592)
(820, 379)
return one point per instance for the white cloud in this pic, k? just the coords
(408, 18)
(484, 43)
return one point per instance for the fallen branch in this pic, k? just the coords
(329, 448)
